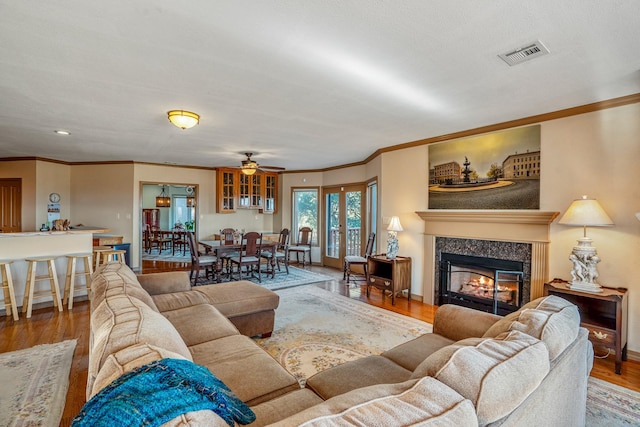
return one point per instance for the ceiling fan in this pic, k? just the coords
(249, 167)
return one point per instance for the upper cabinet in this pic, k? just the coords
(227, 190)
(236, 190)
(270, 193)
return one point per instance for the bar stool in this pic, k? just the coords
(97, 254)
(113, 255)
(70, 282)
(7, 287)
(32, 278)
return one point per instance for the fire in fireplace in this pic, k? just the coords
(487, 284)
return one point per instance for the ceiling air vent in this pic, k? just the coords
(525, 53)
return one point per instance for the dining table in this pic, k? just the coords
(219, 249)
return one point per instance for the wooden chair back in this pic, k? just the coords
(283, 240)
(305, 236)
(252, 244)
(227, 235)
(369, 248)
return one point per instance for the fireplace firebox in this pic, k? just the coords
(487, 284)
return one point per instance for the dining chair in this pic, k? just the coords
(179, 242)
(227, 238)
(281, 251)
(158, 239)
(353, 260)
(199, 261)
(303, 245)
(249, 256)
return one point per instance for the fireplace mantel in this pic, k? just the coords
(502, 225)
(512, 226)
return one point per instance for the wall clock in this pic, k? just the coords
(54, 197)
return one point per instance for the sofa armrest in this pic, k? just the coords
(165, 283)
(457, 323)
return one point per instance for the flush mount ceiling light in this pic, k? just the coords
(62, 132)
(183, 119)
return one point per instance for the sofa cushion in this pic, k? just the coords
(551, 319)
(284, 406)
(200, 323)
(177, 300)
(121, 321)
(358, 373)
(425, 402)
(410, 354)
(126, 360)
(496, 374)
(250, 372)
(115, 278)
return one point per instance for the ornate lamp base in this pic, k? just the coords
(392, 245)
(585, 272)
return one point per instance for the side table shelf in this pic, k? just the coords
(603, 314)
(393, 275)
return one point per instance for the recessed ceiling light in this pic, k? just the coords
(62, 132)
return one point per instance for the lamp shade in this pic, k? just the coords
(585, 212)
(394, 224)
(183, 119)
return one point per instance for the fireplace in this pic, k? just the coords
(510, 235)
(487, 284)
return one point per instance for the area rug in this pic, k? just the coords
(34, 384)
(317, 329)
(282, 280)
(611, 405)
(167, 256)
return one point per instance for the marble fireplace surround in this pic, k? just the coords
(532, 227)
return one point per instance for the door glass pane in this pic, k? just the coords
(354, 222)
(332, 249)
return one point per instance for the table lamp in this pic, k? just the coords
(585, 212)
(392, 239)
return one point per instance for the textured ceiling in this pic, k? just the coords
(306, 84)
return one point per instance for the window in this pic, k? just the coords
(305, 211)
(182, 213)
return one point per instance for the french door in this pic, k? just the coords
(344, 223)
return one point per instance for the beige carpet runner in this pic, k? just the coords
(34, 384)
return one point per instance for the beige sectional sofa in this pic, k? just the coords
(529, 368)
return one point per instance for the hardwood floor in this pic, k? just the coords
(48, 326)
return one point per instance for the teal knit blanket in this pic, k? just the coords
(160, 391)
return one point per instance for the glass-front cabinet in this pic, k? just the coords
(227, 190)
(269, 198)
(236, 190)
(250, 191)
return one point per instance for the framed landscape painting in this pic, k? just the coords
(500, 170)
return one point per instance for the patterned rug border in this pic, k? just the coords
(38, 399)
(297, 277)
(617, 405)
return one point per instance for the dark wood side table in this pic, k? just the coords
(392, 275)
(603, 314)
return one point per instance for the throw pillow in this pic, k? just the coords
(551, 319)
(496, 374)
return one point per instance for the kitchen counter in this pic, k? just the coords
(18, 246)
